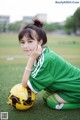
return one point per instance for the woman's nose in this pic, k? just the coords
(25, 45)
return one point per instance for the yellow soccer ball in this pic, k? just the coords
(21, 98)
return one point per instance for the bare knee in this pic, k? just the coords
(59, 99)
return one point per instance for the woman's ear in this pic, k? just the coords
(41, 42)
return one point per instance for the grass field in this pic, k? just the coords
(12, 63)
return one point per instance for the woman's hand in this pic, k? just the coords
(37, 52)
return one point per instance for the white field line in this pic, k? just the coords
(12, 57)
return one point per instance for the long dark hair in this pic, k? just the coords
(37, 26)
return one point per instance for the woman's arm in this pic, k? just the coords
(36, 53)
(27, 71)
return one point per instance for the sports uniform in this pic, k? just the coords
(55, 75)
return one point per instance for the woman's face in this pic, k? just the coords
(28, 45)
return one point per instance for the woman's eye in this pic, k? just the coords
(22, 42)
(29, 41)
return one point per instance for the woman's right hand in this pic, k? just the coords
(37, 52)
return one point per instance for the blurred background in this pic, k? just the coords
(58, 16)
(62, 24)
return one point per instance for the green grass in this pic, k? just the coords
(11, 71)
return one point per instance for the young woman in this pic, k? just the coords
(45, 70)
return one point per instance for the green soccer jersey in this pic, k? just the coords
(52, 73)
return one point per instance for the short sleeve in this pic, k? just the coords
(41, 77)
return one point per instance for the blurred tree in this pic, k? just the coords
(1, 27)
(72, 24)
(15, 27)
(77, 17)
(77, 20)
(52, 26)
